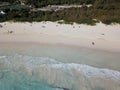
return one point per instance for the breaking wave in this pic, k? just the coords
(20, 72)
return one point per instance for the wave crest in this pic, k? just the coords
(69, 76)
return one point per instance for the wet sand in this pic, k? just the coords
(51, 56)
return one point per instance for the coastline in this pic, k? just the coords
(100, 36)
(39, 53)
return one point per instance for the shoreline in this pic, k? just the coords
(99, 37)
(18, 44)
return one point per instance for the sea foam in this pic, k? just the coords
(66, 76)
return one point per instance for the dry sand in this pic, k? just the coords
(100, 36)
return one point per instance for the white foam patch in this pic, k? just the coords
(88, 71)
(1, 57)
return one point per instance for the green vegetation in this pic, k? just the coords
(107, 11)
(10, 1)
(14, 7)
(41, 3)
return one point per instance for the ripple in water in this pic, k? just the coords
(21, 72)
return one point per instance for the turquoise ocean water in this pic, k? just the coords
(46, 67)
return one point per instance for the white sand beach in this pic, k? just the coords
(59, 56)
(100, 36)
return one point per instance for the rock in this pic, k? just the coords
(93, 43)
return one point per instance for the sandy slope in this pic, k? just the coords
(105, 37)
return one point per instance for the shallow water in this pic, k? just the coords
(43, 67)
